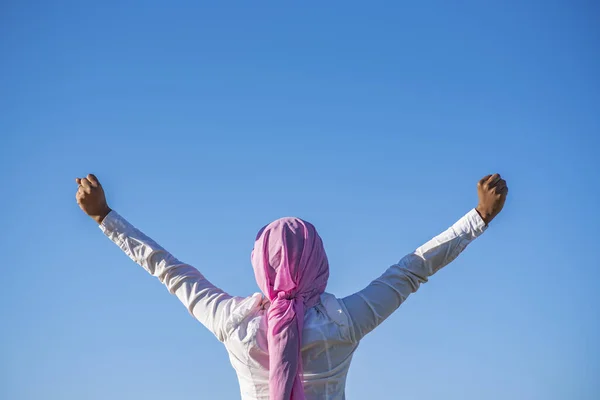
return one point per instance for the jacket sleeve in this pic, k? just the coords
(371, 306)
(207, 303)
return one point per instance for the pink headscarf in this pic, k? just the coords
(291, 269)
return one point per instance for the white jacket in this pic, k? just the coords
(332, 329)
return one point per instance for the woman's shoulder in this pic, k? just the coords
(334, 309)
(243, 307)
(246, 315)
(246, 308)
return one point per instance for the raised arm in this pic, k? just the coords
(372, 305)
(207, 303)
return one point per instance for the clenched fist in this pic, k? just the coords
(91, 199)
(492, 191)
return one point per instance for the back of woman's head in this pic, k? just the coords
(291, 269)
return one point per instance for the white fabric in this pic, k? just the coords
(332, 329)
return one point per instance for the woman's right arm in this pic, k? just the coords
(372, 305)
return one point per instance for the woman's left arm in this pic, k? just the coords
(207, 303)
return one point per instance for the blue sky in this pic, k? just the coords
(373, 120)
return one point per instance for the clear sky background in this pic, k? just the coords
(206, 120)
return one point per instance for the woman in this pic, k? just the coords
(294, 341)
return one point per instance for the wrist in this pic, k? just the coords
(100, 216)
(485, 215)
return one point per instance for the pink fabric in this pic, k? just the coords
(291, 269)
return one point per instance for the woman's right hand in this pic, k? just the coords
(492, 192)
